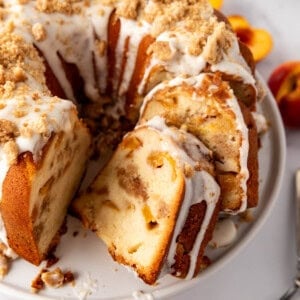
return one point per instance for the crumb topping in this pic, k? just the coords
(128, 9)
(101, 47)
(19, 74)
(200, 34)
(2, 13)
(67, 7)
(188, 170)
(109, 2)
(52, 279)
(164, 15)
(217, 43)
(15, 65)
(8, 131)
(160, 50)
(42, 124)
(38, 32)
(12, 151)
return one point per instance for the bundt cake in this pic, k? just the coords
(106, 57)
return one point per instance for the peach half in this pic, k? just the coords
(258, 40)
(284, 83)
(217, 4)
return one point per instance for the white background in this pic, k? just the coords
(265, 268)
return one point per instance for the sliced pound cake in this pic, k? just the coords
(206, 106)
(37, 190)
(155, 203)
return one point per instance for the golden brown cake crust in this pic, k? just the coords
(187, 237)
(15, 209)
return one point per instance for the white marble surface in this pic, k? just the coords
(265, 268)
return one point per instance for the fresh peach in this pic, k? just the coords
(217, 4)
(238, 22)
(258, 40)
(284, 83)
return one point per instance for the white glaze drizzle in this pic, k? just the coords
(184, 63)
(243, 151)
(136, 33)
(181, 62)
(233, 63)
(224, 233)
(201, 186)
(100, 22)
(210, 193)
(119, 52)
(260, 121)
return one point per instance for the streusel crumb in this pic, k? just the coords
(38, 32)
(101, 47)
(53, 278)
(217, 44)
(67, 7)
(8, 131)
(12, 151)
(161, 50)
(14, 67)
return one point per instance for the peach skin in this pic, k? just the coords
(284, 83)
(258, 40)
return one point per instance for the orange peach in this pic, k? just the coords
(237, 22)
(258, 40)
(217, 4)
(284, 83)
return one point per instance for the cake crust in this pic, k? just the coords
(15, 209)
(31, 194)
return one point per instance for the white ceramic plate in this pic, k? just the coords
(100, 277)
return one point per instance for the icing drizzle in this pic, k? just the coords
(201, 186)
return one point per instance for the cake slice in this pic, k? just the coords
(155, 203)
(44, 147)
(38, 185)
(206, 106)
